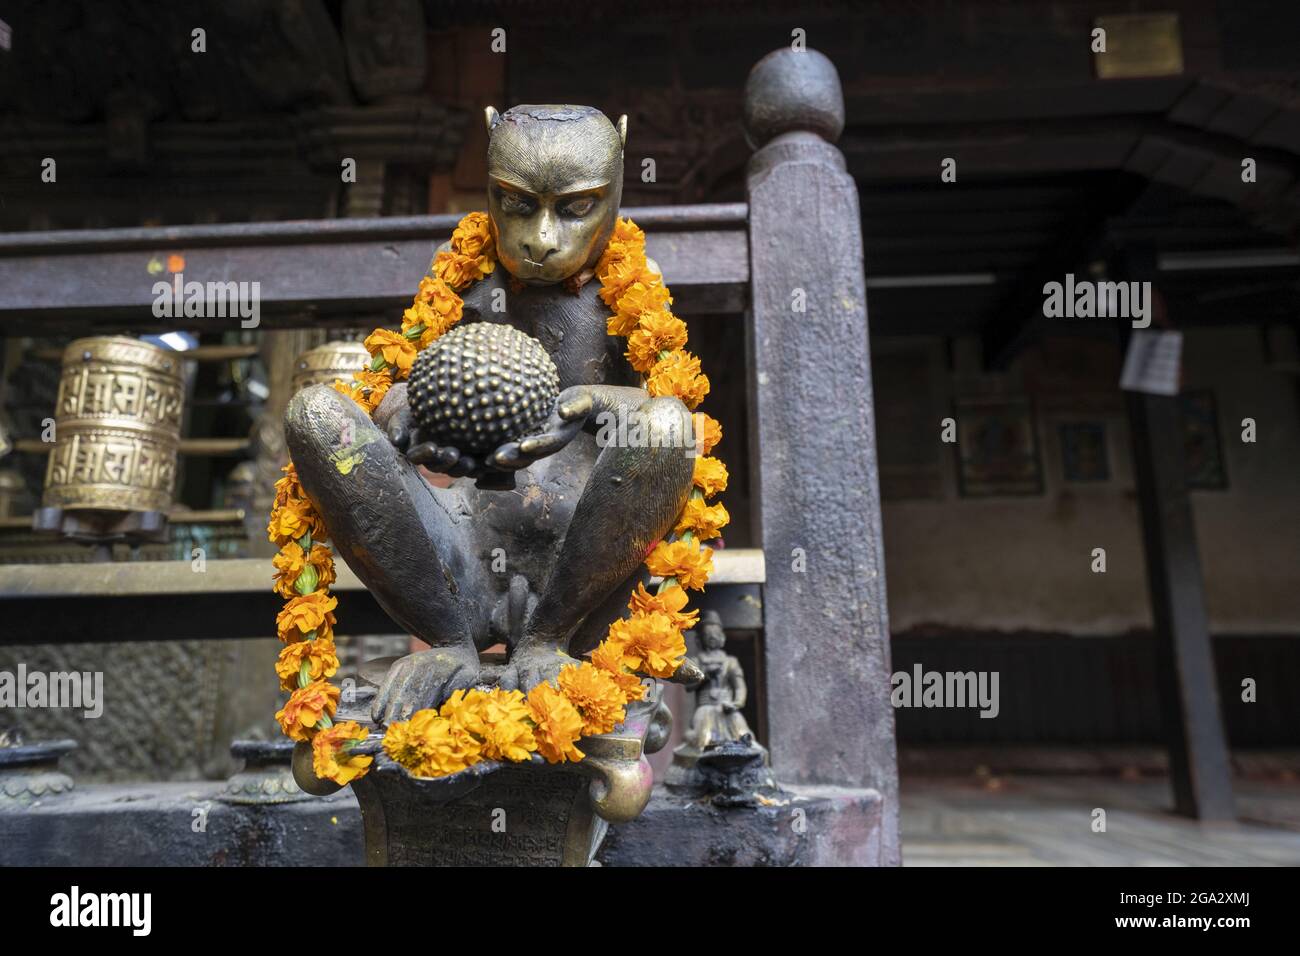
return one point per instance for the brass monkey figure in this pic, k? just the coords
(547, 566)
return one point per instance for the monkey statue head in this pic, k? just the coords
(555, 178)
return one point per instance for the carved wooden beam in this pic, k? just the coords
(311, 274)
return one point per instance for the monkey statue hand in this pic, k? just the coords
(572, 408)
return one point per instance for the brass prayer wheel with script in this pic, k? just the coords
(324, 364)
(117, 427)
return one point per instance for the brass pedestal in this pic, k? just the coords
(503, 814)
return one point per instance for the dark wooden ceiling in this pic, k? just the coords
(1056, 168)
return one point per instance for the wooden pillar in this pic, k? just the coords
(1199, 763)
(816, 501)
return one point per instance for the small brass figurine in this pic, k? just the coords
(720, 755)
(547, 566)
(721, 695)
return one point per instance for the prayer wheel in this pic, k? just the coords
(117, 427)
(325, 363)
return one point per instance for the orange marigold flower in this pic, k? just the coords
(419, 313)
(657, 331)
(290, 563)
(307, 613)
(596, 695)
(331, 757)
(397, 350)
(672, 602)
(608, 656)
(354, 391)
(445, 301)
(321, 559)
(458, 270)
(621, 264)
(465, 709)
(621, 247)
(436, 309)
(708, 431)
(449, 748)
(710, 476)
(687, 561)
(650, 643)
(704, 520)
(473, 235)
(375, 385)
(507, 732)
(617, 274)
(678, 373)
(448, 308)
(289, 488)
(626, 237)
(424, 291)
(368, 399)
(404, 744)
(558, 724)
(307, 705)
(370, 378)
(287, 523)
(625, 230)
(646, 293)
(626, 240)
(432, 746)
(321, 658)
(293, 519)
(371, 385)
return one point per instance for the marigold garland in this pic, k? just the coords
(588, 697)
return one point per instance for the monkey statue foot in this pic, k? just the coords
(424, 679)
(532, 664)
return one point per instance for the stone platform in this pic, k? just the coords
(805, 826)
(184, 824)
(179, 824)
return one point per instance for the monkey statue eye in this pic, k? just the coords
(578, 207)
(512, 202)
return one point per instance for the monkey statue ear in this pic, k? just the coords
(622, 130)
(491, 117)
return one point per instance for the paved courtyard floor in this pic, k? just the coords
(1028, 820)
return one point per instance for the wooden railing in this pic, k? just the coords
(312, 273)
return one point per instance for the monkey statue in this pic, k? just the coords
(544, 567)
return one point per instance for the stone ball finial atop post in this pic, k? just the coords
(793, 90)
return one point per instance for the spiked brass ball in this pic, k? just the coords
(480, 386)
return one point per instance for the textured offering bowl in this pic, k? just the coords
(480, 386)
